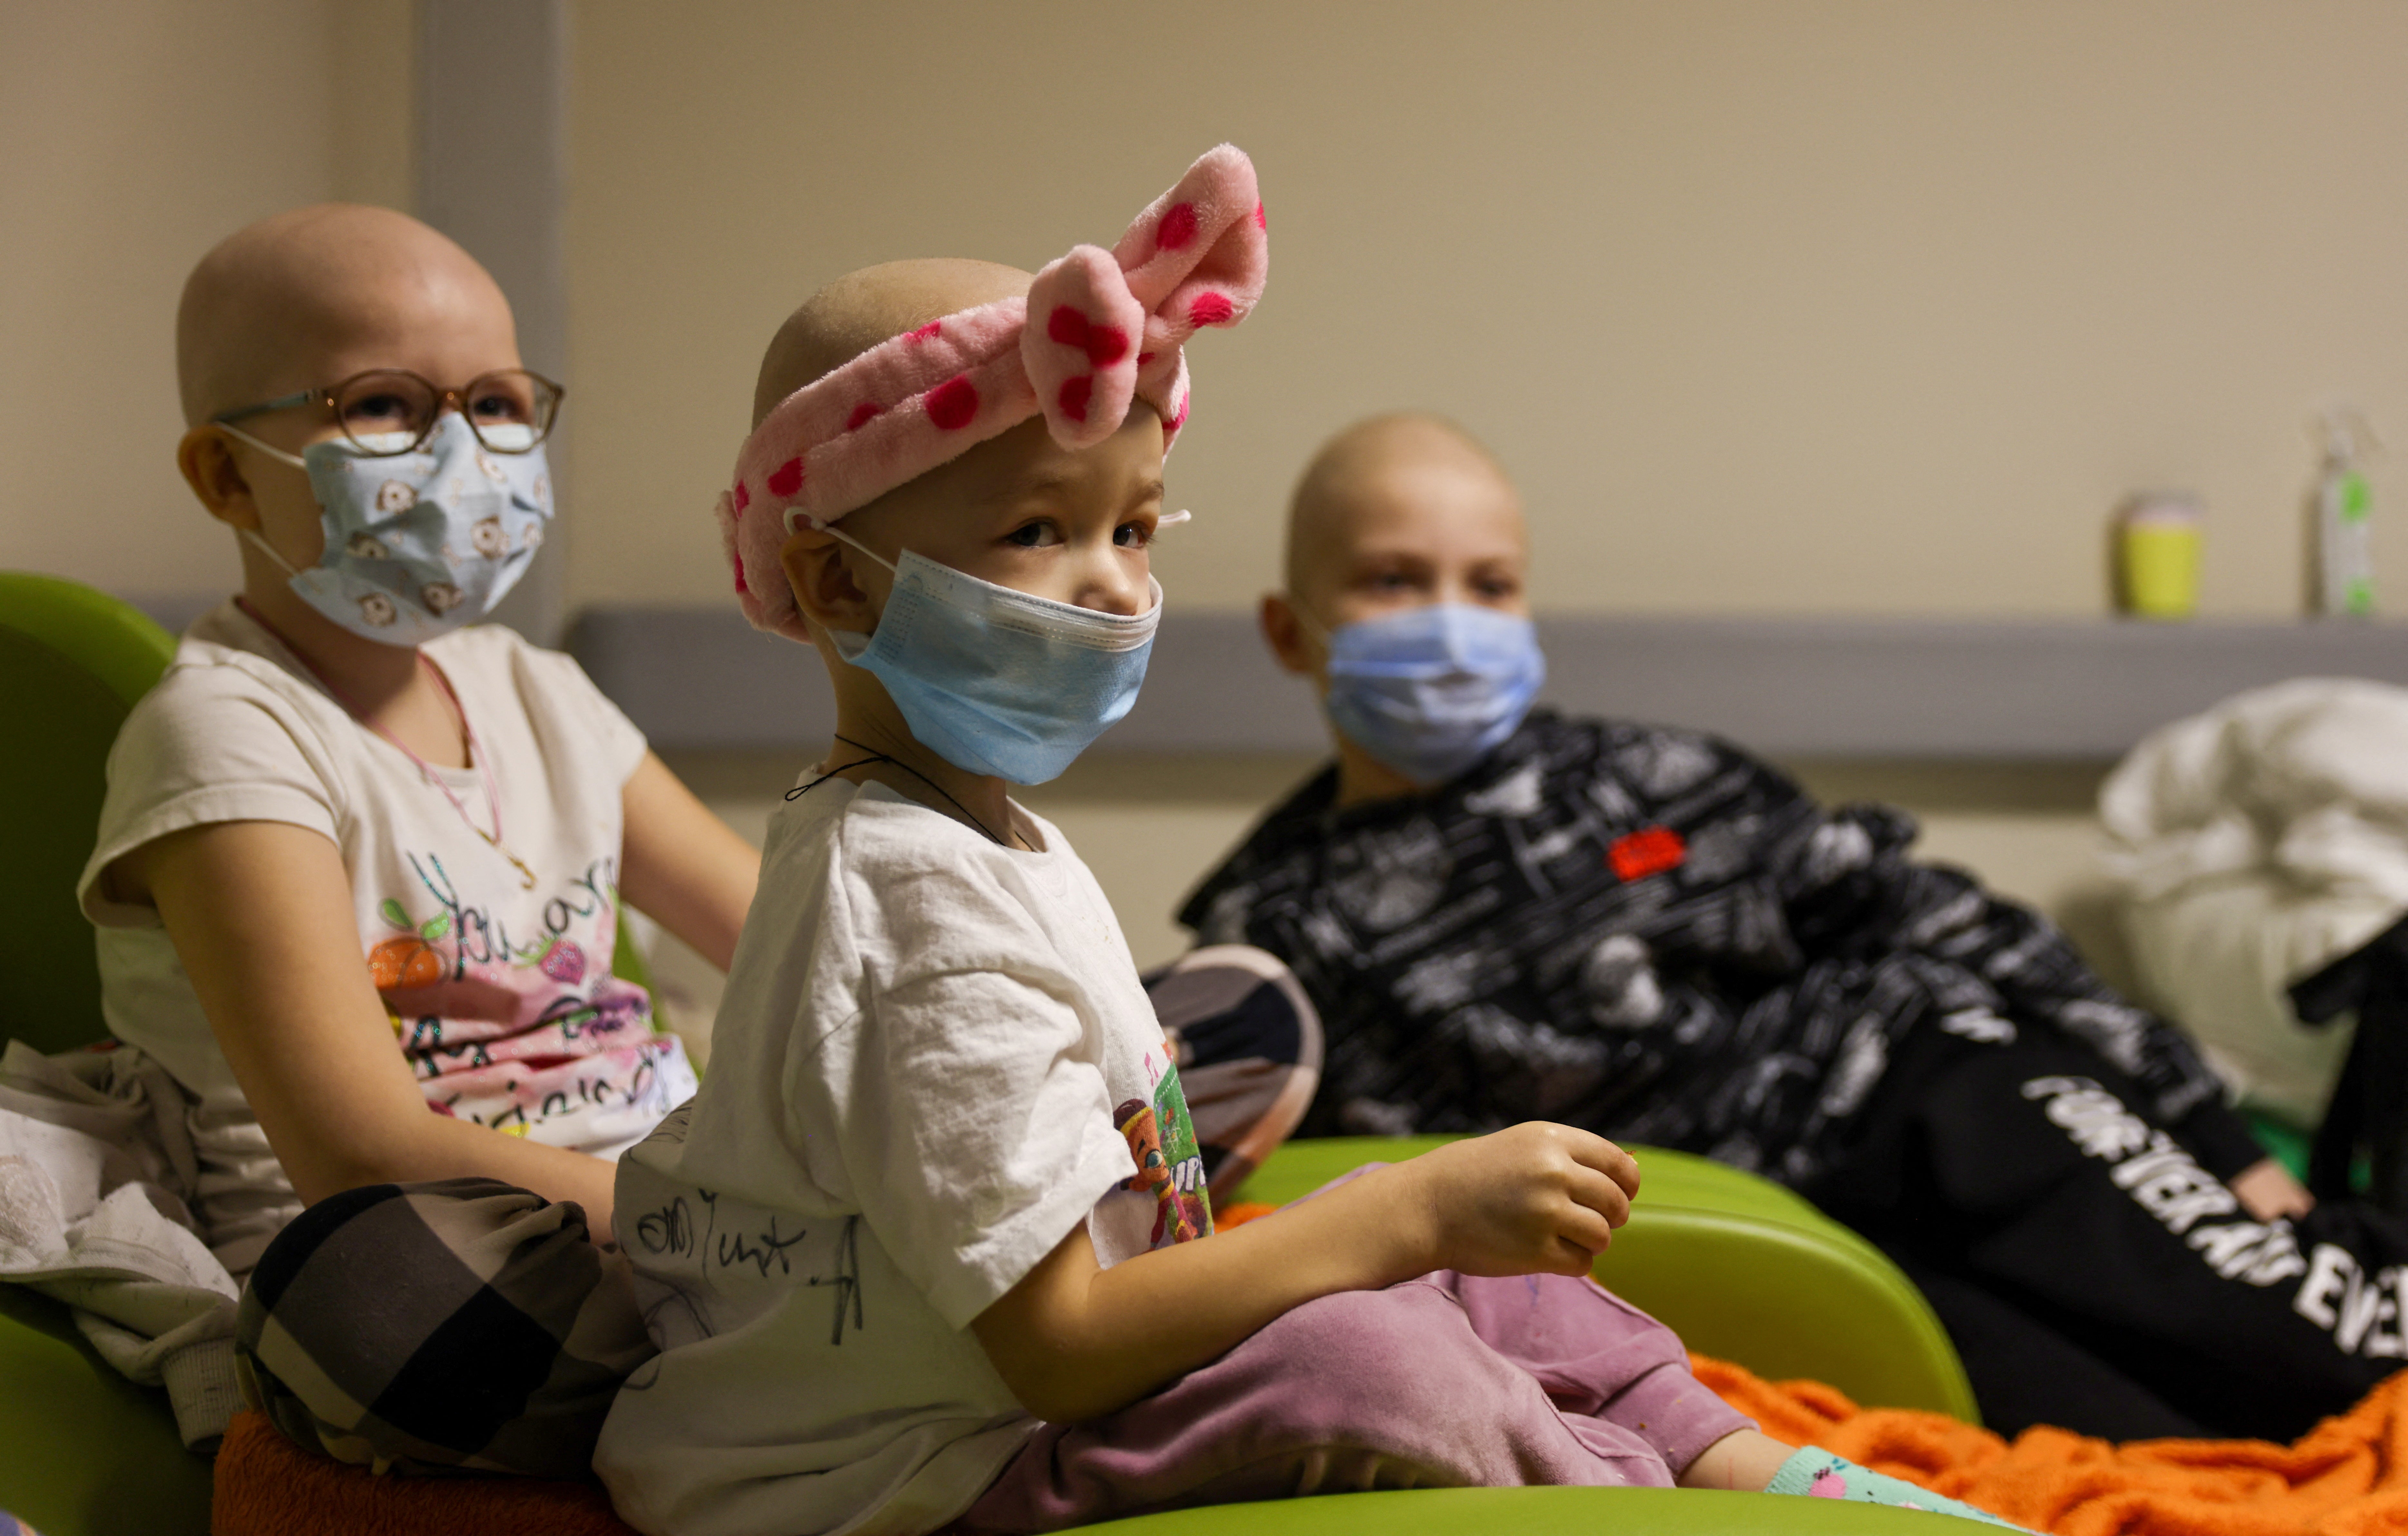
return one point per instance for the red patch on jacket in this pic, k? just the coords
(1649, 850)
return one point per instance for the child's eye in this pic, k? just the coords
(1133, 536)
(1033, 535)
(378, 408)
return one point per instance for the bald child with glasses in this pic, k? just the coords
(361, 868)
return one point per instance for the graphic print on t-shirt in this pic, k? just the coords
(1162, 1142)
(512, 1018)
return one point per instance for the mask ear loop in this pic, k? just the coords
(297, 462)
(296, 459)
(1312, 626)
(270, 551)
(796, 518)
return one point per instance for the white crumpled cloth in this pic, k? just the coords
(96, 1166)
(2251, 846)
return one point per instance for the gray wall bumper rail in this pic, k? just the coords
(2030, 691)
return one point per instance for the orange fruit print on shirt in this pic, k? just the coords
(407, 961)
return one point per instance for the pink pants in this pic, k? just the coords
(1445, 1381)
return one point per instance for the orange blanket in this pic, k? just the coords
(2348, 1477)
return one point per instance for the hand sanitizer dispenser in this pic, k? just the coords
(2343, 510)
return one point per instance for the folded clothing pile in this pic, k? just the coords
(2254, 845)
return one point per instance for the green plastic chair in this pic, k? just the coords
(71, 663)
(1543, 1511)
(83, 1452)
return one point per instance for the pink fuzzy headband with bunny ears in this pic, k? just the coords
(1113, 329)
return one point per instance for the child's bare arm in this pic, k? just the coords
(261, 916)
(1073, 1340)
(684, 867)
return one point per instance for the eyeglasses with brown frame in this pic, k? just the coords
(390, 411)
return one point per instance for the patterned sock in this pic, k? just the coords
(1819, 1475)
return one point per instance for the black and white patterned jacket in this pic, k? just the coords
(1649, 933)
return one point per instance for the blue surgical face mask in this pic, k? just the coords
(999, 682)
(1431, 691)
(418, 543)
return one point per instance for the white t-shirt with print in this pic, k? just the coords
(932, 1062)
(500, 995)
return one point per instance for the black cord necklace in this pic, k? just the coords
(877, 756)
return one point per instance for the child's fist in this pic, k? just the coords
(1535, 1198)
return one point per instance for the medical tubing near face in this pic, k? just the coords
(1431, 690)
(425, 531)
(995, 681)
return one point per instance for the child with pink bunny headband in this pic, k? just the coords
(926, 1251)
(1111, 328)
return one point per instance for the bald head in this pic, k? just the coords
(1408, 465)
(862, 309)
(294, 301)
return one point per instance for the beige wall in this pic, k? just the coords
(1865, 305)
(1869, 307)
(134, 133)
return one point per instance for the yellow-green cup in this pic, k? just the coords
(2158, 542)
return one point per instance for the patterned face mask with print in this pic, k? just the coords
(418, 543)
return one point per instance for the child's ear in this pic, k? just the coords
(1286, 638)
(825, 589)
(209, 468)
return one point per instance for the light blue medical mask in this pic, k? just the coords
(1430, 691)
(420, 543)
(995, 681)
